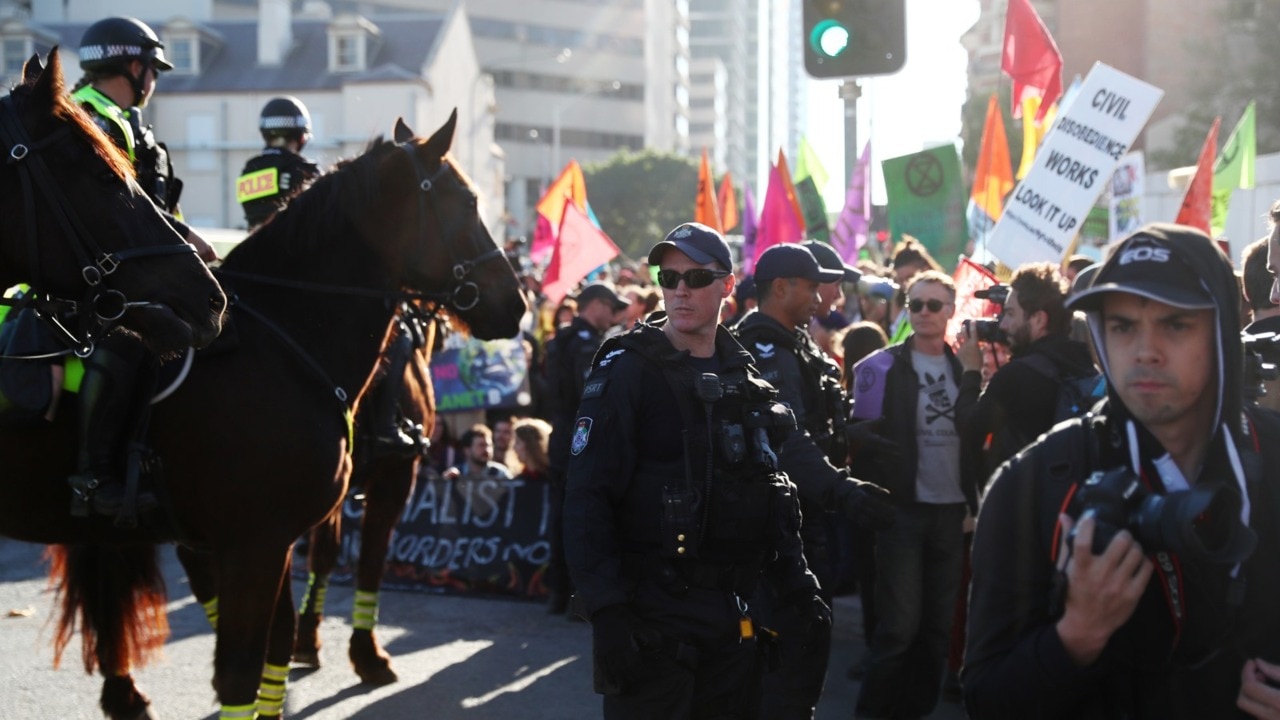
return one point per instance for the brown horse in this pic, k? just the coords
(386, 483)
(80, 231)
(256, 441)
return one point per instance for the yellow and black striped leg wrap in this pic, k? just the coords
(313, 598)
(237, 712)
(271, 691)
(211, 611)
(364, 615)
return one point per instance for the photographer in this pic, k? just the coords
(1266, 316)
(1020, 401)
(1124, 564)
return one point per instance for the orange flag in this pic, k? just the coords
(728, 204)
(1197, 204)
(705, 210)
(570, 185)
(785, 172)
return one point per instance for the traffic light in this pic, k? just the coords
(853, 38)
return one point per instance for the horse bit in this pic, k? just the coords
(95, 264)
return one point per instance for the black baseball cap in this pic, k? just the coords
(828, 258)
(701, 243)
(792, 261)
(1146, 264)
(600, 291)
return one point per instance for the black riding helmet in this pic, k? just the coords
(109, 45)
(285, 117)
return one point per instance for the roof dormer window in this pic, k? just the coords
(184, 52)
(188, 45)
(351, 40)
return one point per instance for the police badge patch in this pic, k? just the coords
(581, 431)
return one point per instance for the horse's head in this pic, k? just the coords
(77, 226)
(440, 241)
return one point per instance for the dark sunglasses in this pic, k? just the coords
(695, 278)
(935, 306)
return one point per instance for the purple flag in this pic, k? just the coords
(855, 219)
(868, 385)
(750, 225)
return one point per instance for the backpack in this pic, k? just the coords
(1077, 394)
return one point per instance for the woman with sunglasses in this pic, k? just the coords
(674, 509)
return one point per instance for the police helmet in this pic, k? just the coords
(108, 44)
(284, 116)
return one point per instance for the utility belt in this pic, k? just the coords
(677, 576)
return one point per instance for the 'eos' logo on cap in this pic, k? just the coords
(683, 232)
(1140, 254)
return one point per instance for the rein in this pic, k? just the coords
(96, 265)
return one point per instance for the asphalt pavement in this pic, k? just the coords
(458, 657)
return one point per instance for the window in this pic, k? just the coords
(184, 53)
(15, 53)
(346, 52)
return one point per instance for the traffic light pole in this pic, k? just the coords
(850, 91)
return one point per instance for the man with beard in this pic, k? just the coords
(1021, 399)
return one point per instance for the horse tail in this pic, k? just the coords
(115, 596)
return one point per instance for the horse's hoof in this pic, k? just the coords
(306, 658)
(377, 676)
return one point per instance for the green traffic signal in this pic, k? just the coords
(829, 38)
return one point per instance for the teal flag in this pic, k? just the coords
(927, 201)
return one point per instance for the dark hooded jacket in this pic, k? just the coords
(1181, 653)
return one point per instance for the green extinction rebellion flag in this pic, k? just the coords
(927, 201)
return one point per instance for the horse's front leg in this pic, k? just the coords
(121, 699)
(275, 674)
(322, 557)
(245, 617)
(389, 483)
(202, 580)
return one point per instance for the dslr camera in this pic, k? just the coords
(1200, 525)
(988, 329)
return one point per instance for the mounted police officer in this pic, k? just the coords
(569, 356)
(674, 508)
(789, 284)
(122, 58)
(271, 178)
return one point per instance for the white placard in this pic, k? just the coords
(1072, 167)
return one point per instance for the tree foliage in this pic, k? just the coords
(639, 196)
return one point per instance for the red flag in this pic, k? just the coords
(550, 209)
(728, 204)
(1031, 58)
(705, 208)
(1197, 204)
(779, 222)
(970, 277)
(580, 248)
(785, 173)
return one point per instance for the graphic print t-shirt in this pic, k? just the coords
(938, 463)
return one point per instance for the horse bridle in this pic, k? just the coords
(95, 263)
(461, 268)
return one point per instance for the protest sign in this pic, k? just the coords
(927, 198)
(1072, 167)
(1128, 187)
(480, 374)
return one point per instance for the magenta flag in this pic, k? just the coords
(855, 219)
(580, 248)
(750, 228)
(778, 221)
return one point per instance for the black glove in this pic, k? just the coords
(809, 607)
(869, 506)
(617, 662)
(863, 435)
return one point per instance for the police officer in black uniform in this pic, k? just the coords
(271, 178)
(569, 356)
(122, 58)
(788, 278)
(674, 508)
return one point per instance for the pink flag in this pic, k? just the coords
(855, 219)
(750, 228)
(580, 248)
(778, 221)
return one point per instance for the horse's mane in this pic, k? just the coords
(329, 205)
(67, 111)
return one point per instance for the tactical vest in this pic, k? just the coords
(150, 159)
(827, 410)
(726, 505)
(269, 181)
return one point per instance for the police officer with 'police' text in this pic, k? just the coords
(674, 508)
